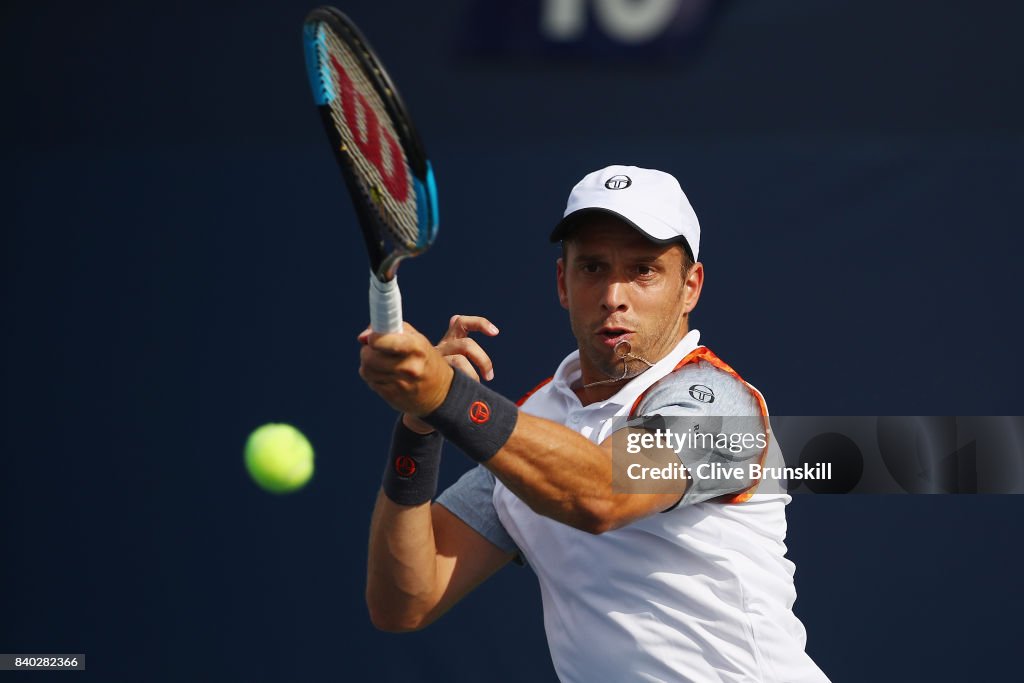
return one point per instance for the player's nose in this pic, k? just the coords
(614, 297)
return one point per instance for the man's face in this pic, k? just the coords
(619, 286)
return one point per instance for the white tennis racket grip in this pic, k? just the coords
(385, 305)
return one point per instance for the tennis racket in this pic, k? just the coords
(382, 160)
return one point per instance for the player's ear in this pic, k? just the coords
(692, 286)
(563, 297)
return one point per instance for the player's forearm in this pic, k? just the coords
(562, 475)
(402, 568)
(554, 470)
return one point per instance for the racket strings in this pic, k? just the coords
(400, 218)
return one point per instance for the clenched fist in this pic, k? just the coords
(405, 370)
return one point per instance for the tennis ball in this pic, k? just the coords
(279, 457)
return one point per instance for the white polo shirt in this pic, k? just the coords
(700, 593)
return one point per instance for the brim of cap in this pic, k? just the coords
(574, 218)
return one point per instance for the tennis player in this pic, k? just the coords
(686, 581)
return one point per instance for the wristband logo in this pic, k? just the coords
(479, 412)
(405, 466)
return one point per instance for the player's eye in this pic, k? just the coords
(591, 267)
(645, 271)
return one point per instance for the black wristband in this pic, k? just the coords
(413, 465)
(476, 419)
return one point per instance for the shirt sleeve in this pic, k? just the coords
(471, 499)
(708, 400)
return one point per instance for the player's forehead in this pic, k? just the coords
(601, 235)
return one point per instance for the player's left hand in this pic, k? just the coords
(405, 370)
(463, 352)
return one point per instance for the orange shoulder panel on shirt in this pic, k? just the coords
(705, 354)
(533, 391)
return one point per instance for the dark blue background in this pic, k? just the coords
(180, 265)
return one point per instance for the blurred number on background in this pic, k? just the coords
(613, 29)
(628, 21)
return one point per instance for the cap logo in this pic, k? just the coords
(618, 182)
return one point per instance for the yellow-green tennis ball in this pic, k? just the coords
(279, 457)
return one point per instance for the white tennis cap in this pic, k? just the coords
(651, 201)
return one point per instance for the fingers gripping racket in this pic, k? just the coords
(381, 157)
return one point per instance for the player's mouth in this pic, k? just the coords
(610, 336)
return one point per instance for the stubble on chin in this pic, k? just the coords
(611, 364)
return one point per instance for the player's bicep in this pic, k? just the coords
(638, 487)
(465, 558)
(470, 540)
